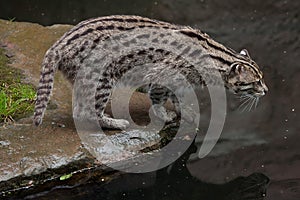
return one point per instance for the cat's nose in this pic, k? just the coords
(266, 89)
(264, 86)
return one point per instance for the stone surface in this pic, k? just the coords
(26, 150)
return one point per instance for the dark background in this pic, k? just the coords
(70, 12)
(267, 138)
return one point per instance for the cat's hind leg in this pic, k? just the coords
(102, 96)
(159, 95)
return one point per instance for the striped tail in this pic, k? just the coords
(45, 87)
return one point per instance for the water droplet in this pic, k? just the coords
(281, 191)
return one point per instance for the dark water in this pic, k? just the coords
(173, 182)
(258, 155)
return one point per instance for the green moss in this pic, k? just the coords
(16, 98)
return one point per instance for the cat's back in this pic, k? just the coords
(90, 32)
(75, 45)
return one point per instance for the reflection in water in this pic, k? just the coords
(173, 182)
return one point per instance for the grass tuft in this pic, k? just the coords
(16, 98)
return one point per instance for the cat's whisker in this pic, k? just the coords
(245, 103)
(253, 100)
(256, 101)
(243, 97)
(248, 102)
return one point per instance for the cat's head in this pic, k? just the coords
(245, 78)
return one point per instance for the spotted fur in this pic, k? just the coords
(239, 72)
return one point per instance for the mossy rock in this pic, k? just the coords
(16, 98)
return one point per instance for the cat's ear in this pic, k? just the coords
(244, 52)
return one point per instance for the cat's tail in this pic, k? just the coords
(45, 87)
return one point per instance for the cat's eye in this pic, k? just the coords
(259, 82)
(236, 68)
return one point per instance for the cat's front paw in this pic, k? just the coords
(121, 124)
(107, 122)
(160, 112)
